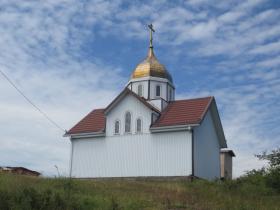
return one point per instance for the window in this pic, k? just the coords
(170, 94)
(158, 90)
(117, 127)
(140, 90)
(127, 128)
(138, 125)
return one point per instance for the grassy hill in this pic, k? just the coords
(25, 193)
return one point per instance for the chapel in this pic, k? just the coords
(146, 132)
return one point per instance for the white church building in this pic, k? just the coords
(145, 132)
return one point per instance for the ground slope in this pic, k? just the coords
(21, 192)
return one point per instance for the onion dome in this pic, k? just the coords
(151, 67)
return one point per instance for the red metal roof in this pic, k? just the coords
(184, 112)
(93, 122)
(181, 112)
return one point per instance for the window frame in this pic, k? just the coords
(158, 86)
(140, 87)
(141, 125)
(125, 123)
(119, 127)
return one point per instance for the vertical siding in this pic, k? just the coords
(206, 150)
(132, 155)
(163, 93)
(136, 108)
(162, 154)
(145, 87)
(153, 83)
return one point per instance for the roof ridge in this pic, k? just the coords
(98, 109)
(194, 98)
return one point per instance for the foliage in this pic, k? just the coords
(271, 174)
(248, 192)
(257, 189)
(273, 158)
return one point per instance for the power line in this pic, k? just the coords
(29, 101)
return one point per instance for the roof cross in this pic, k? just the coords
(151, 34)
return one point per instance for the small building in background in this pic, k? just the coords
(226, 163)
(19, 171)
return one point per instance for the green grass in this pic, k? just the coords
(25, 193)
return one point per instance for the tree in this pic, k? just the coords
(273, 158)
(272, 173)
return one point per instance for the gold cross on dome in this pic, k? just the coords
(151, 34)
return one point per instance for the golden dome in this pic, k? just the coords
(151, 67)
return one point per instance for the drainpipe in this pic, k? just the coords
(192, 133)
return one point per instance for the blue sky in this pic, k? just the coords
(70, 57)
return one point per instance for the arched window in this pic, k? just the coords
(140, 90)
(127, 128)
(158, 90)
(138, 125)
(117, 127)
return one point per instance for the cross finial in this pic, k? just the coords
(151, 34)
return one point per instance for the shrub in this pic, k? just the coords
(4, 200)
(273, 178)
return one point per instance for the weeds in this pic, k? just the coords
(26, 193)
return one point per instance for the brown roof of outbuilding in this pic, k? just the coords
(93, 122)
(184, 112)
(229, 151)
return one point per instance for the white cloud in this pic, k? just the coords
(266, 48)
(270, 62)
(36, 56)
(40, 42)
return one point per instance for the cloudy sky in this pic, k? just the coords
(71, 56)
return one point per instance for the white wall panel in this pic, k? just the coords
(206, 150)
(136, 108)
(145, 88)
(161, 154)
(154, 81)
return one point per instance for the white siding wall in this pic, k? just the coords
(206, 150)
(144, 85)
(136, 108)
(156, 103)
(165, 91)
(161, 154)
(132, 155)
(171, 91)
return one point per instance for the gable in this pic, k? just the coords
(217, 124)
(95, 121)
(191, 113)
(206, 149)
(211, 120)
(137, 110)
(122, 95)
